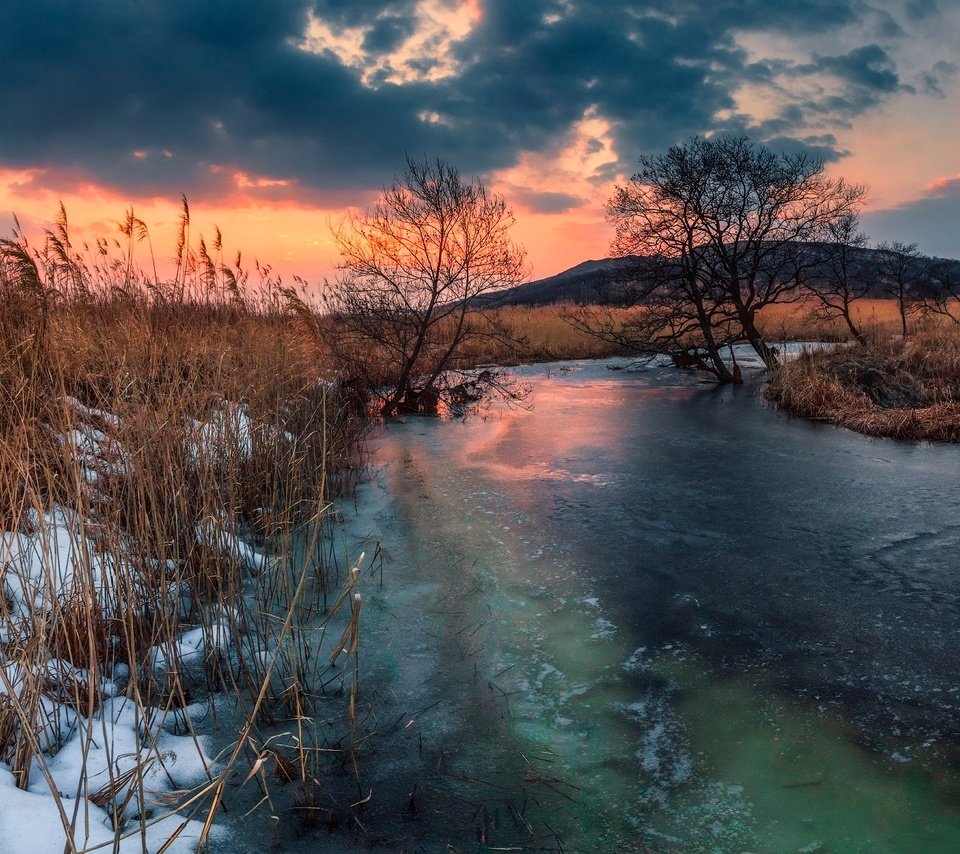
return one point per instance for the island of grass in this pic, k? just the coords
(886, 387)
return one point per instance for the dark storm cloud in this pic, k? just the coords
(934, 81)
(157, 97)
(867, 68)
(919, 10)
(355, 13)
(388, 33)
(822, 146)
(86, 85)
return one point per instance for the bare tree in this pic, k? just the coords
(410, 270)
(844, 276)
(675, 313)
(735, 220)
(939, 293)
(901, 269)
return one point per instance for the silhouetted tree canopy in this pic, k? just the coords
(725, 225)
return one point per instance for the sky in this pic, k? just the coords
(274, 117)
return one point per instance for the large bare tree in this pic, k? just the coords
(411, 268)
(732, 222)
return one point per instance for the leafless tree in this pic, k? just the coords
(901, 270)
(844, 276)
(734, 222)
(940, 291)
(675, 313)
(410, 270)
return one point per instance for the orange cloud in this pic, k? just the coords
(440, 24)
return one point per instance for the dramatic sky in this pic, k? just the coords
(274, 116)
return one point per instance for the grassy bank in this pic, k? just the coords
(168, 457)
(904, 390)
(541, 334)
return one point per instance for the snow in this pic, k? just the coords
(228, 431)
(42, 566)
(121, 752)
(122, 746)
(212, 532)
(119, 740)
(30, 821)
(191, 648)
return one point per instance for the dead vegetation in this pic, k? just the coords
(169, 452)
(904, 390)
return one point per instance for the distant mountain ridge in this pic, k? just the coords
(578, 284)
(586, 281)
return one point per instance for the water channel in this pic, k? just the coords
(648, 614)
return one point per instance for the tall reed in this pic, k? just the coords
(169, 452)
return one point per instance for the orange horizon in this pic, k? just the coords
(293, 238)
(292, 234)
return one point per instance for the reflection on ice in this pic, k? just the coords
(648, 615)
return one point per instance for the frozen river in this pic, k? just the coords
(647, 614)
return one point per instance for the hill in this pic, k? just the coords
(588, 281)
(583, 283)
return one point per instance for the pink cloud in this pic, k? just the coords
(944, 186)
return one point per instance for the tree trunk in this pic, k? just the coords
(855, 330)
(755, 339)
(720, 370)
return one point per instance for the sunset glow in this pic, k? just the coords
(274, 121)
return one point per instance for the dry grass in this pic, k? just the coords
(541, 334)
(796, 321)
(183, 443)
(904, 391)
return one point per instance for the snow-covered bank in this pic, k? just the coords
(98, 744)
(89, 789)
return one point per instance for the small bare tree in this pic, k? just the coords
(940, 291)
(901, 270)
(411, 269)
(843, 274)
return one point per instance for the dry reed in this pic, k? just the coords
(168, 455)
(903, 390)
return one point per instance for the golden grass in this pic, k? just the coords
(543, 335)
(920, 380)
(166, 421)
(796, 322)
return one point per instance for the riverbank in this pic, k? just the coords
(887, 388)
(166, 455)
